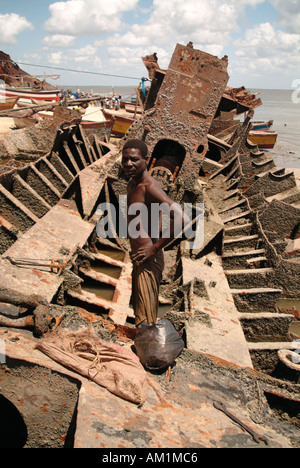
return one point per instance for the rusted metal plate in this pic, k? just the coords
(178, 413)
(91, 181)
(184, 109)
(179, 410)
(203, 78)
(61, 227)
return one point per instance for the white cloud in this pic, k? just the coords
(265, 41)
(32, 57)
(268, 52)
(212, 25)
(172, 21)
(84, 56)
(56, 58)
(252, 3)
(59, 40)
(132, 58)
(12, 24)
(205, 22)
(87, 17)
(289, 14)
(85, 53)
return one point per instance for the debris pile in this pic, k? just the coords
(22, 146)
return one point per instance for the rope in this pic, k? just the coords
(72, 70)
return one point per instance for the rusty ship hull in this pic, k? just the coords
(222, 296)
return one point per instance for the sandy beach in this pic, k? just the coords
(6, 125)
(284, 157)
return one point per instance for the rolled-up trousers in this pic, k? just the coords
(146, 278)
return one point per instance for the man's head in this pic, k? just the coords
(137, 144)
(134, 158)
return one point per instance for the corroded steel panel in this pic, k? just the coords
(199, 80)
(184, 109)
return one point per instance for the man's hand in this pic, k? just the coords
(143, 254)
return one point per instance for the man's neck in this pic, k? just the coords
(141, 178)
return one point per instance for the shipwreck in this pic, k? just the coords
(223, 297)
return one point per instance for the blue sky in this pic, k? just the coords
(109, 37)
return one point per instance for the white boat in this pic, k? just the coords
(260, 125)
(29, 93)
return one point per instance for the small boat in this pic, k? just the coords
(29, 93)
(8, 103)
(24, 122)
(27, 115)
(102, 129)
(263, 138)
(121, 122)
(92, 121)
(124, 102)
(260, 125)
(31, 103)
(133, 108)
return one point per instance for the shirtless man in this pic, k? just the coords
(146, 251)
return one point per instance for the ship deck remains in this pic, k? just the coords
(222, 297)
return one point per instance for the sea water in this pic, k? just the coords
(282, 107)
(126, 92)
